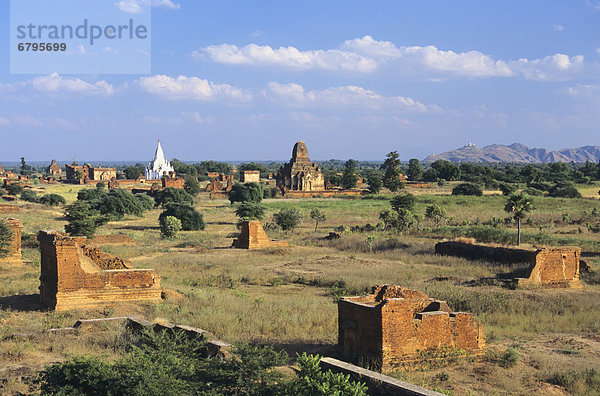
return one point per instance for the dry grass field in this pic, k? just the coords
(287, 297)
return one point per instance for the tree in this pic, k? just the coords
(564, 190)
(191, 219)
(173, 195)
(117, 203)
(507, 188)
(133, 172)
(169, 226)
(250, 211)
(415, 170)
(403, 201)
(435, 212)
(14, 189)
(29, 196)
(467, 189)
(6, 236)
(83, 219)
(391, 178)
(349, 178)
(519, 205)
(442, 169)
(375, 183)
(146, 201)
(317, 215)
(191, 185)
(52, 200)
(249, 192)
(288, 219)
(24, 166)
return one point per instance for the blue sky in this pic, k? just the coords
(243, 80)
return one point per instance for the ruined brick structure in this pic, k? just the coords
(172, 180)
(6, 208)
(250, 177)
(54, 168)
(253, 236)
(549, 267)
(213, 175)
(214, 185)
(394, 327)
(75, 276)
(300, 174)
(88, 173)
(14, 253)
(221, 186)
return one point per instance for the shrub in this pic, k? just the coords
(83, 219)
(564, 190)
(118, 203)
(540, 186)
(375, 183)
(53, 200)
(507, 188)
(403, 201)
(534, 192)
(510, 358)
(288, 219)
(146, 201)
(270, 192)
(191, 185)
(190, 219)
(249, 192)
(14, 189)
(467, 189)
(6, 236)
(311, 380)
(173, 195)
(169, 226)
(435, 212)
(29, 196)
(2, 192)
(91, 194)
(250, 211)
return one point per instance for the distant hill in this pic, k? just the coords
(517, 153)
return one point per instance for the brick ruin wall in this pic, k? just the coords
(75, 276)
(250, 177)
(7, 209)
(253, 236)
(399, 332)
(173, 182)
(549, 267)
(14, 256)
(323, 193)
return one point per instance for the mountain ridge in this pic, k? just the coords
(518, 152)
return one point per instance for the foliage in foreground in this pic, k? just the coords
(172, 364)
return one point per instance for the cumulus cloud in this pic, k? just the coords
(583, 90)
(558, 28)
(137, 6)
(194, 88)
(366, 55)
(289, 57)
(342, 97)
(56, 83)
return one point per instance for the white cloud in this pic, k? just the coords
(583, 90)
(4, 121)
(289, 57)
(342, 97)
(598, 51)
(194, 88)
(137, 6)
(553, 67)
(366, 55)
(56, 83)
(558, 28)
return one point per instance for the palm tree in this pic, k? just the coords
(518, 205)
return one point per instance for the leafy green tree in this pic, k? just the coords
(119, 202)
(191, 185)
(403, 201)
(173, 195)
(91, 194)
(24, 166)
(317, 215)
(14, 189)
(507, 188)
(288, 219)
(53, 200)
(29, 196)
(249, 192)
(250, 211)
(442, 169)
(375, 183)
(133, 172)
(6, 236)
(435, 212)
(146, 201)
(519, 205)
(415, 169)
(391, 178)
(191, 219)
(169, 226)
(83, 219)
(467, 189)
(349, 178)
(564, 190)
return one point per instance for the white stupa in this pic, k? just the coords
(159, 166)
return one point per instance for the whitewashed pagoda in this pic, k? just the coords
(159, 167)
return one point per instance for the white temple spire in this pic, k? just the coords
(159, 166)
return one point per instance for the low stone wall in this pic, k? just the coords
(377, 383)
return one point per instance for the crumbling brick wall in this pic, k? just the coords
(250, 177)
(172, 181)
(395, 327)
(253, 236)
(474, 251)
(76, 276)
(14, 256)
